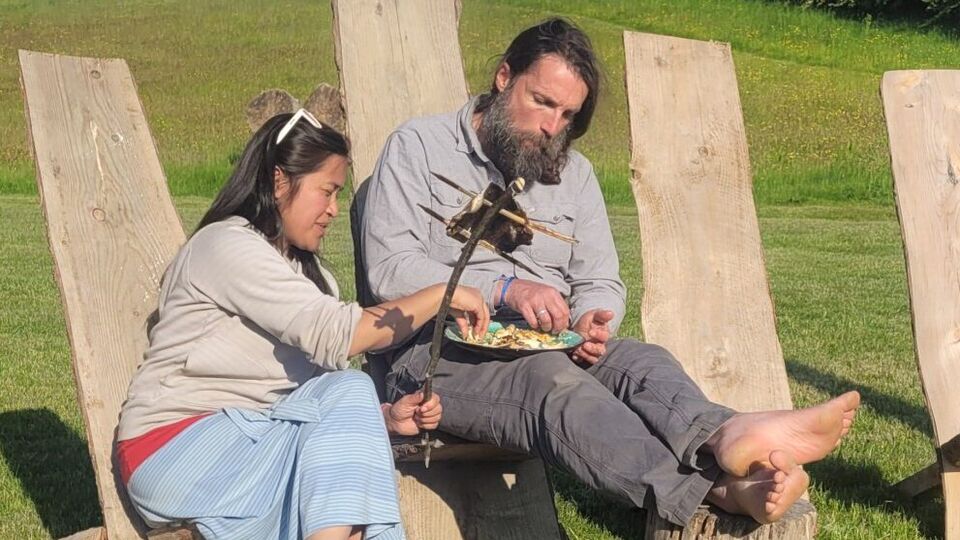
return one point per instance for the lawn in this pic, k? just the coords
(808, 83)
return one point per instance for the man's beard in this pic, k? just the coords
(533, 156)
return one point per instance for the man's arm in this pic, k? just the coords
(594, 270)
(395, 231)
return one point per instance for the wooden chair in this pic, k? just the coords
(400, 59)
(112, 229)
(923, 125)
(706, 296)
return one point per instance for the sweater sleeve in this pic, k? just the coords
(234, 267)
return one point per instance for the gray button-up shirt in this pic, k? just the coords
(404, 249)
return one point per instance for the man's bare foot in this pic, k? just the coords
(766, 493)
(806, 434)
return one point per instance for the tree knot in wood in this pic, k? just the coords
(951, 168)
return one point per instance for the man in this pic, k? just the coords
(619, 414)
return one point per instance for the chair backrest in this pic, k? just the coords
(112, 229)
(923, 124)
(398, 59)
(412, 68)
(706, 296)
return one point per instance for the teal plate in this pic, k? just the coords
(571, 340)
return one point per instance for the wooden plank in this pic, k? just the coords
(96, 533)
(799, 523)
(923, 125)
(706, 296)
(398, 59)
(465, 500)
(111, 226)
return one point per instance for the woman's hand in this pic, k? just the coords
(470, 311)
(408, 416)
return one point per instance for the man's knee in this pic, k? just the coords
(554, 375)
(631, 352)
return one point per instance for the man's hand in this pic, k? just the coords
(594, 326)
(541, 305)
(407, 416)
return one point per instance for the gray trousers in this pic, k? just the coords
(630, 425)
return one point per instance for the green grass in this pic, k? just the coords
(808, 83)
(808, 80)
(837, 280)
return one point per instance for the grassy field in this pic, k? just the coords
(808, 84)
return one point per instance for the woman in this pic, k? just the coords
(243, 418)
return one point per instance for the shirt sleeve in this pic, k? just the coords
(594, 269)
(395, 231)
(235, 268)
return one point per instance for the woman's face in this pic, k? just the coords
(307, 214)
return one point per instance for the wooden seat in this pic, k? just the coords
(112, 228)
(923, 125)
(409, 51)
(706, 296)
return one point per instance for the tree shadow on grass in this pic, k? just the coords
(615, 516)
(883, 404)
(864, 485)
(914, 16)
(52, 464)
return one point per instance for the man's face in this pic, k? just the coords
(525, 130)
(545, 98)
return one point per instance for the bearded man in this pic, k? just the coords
(620, 415)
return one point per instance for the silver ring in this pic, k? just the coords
(544, 310)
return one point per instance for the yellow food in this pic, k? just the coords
(511, 337)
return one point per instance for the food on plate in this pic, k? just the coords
(513, 337)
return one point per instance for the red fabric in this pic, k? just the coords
(132, 452)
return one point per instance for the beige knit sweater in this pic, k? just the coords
(239, 326)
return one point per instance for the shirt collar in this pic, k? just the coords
(467, 140)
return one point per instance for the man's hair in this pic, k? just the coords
(566, 40)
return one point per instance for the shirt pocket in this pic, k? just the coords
(545, 249)
(446, 202)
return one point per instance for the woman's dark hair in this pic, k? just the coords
(249, 193)
(566, 40)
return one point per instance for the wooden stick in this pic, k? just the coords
(510, 215)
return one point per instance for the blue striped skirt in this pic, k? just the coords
(319, 458)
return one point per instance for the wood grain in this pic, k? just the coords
(466, 500)
(706, 296)
(112, 228)
(709, 523)
(922, 110)
(398, 59)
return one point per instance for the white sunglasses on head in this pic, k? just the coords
(302, 113)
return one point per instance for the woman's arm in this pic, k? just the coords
(390, 322)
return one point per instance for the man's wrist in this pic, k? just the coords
(500, 289)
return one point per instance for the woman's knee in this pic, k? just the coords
(349, 382)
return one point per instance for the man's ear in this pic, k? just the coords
(280, 184)
(502, 77)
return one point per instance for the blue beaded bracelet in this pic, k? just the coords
(503, 291)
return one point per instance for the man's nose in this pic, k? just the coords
(333, 208)
(553, 124)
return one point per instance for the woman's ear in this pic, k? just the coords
(281, 185)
